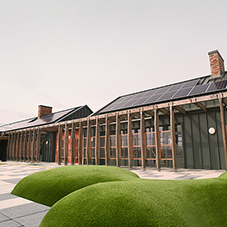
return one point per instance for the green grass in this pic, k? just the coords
(49, 186)
(144, 203)
(127, 200)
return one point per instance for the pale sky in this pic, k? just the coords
(67, 53)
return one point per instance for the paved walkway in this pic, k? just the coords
(16, 211)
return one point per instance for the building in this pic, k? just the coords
(181, 125)
(28, 136)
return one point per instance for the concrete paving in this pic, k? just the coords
(16, 211)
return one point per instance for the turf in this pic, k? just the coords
(49, 186)
(144, 203)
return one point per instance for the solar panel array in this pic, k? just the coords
(171, 92)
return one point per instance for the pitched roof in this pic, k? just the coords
(43, 120)
(176, 91)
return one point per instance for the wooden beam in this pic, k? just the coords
(130, 144)
(222, 113)
(80, 143)
(224, 101)
(142, 138)
(59, 143)
(38, 140)
(107, 145)
(180, 109)
(173, 138)
(88, 145)
(97, 141)
(73, 144)
(66, 142)
(157, 140)
(165, 111)
(118, 142)
(149, 112)
(201, 106)
(135, 115)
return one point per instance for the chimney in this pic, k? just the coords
(216, 64)
(44, 110)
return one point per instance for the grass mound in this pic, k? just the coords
(142, 202)
(49, 186)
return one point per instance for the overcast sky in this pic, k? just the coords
(67, 53)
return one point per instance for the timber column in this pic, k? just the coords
(59, 143)
(107, 146)
(73, 144)
(143, 148)
(88, 145)
(38, 146)
(80, 143)
(130, 144)
(173, 137)
(66, 144)
(157, 141)
(118, 142)
(97, 142)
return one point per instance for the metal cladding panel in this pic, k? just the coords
(196, 142)
(204, 140)
(213, 142)
(188, 145)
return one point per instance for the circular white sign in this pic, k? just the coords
(211, 130)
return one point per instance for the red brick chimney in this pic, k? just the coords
(216, 64)
(44, 110)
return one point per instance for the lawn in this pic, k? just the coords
(131, 201)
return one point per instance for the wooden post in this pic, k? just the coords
(29, 145)
(14, 146)
(38, 146)
(107, 146)
(173, 138)
(80, 143)
(118, 142)
(157, 141)
(222, 113)
(21, 146)
(73, 144)
(66, 138)
(25, 145)
(33, 146)
(88, 145)
(130, 144)
(59, 143)
(17, 146)
(10, 142)
(142, 132)
(97, 142)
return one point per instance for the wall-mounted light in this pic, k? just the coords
(211, 130)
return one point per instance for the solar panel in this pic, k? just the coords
(218, 85)
(182, 93)
(199, 89)
(167, 96)
(152, 99)
(162, 90)
(190, 83)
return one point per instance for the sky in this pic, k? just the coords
(67, 53)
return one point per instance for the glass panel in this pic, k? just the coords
(124, 162)
(137, 162)
(85, 142)
(124, 152)
(124, 140)
(112, 141)
(136, 140)
(102, 152)
(84, 152)
(93, 142)
(166, 152)
(165, 138)
(151, 152)
(151, 163)
(150, 138)
(112, 152)
(136, 152)
(102, 141)
(92, 152)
